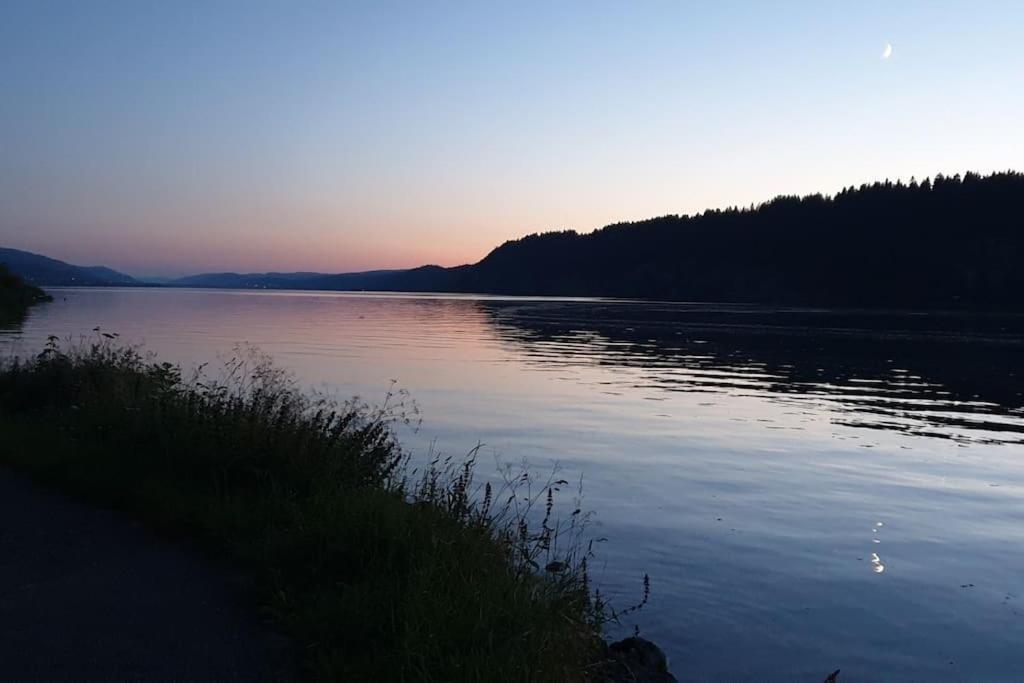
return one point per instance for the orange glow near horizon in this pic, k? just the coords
(335, 236)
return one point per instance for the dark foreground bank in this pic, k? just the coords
(375, 571)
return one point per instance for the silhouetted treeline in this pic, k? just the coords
(949, 242)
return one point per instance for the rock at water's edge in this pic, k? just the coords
(634, 660)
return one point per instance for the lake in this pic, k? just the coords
(808, 490)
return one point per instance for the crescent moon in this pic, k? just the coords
(887, 52)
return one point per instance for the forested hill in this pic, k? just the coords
(951, 242)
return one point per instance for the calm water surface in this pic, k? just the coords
(808, 490)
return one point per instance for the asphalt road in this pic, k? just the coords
(88, 596)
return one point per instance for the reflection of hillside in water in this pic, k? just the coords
(934, 375)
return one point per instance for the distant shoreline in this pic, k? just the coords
(733, 305)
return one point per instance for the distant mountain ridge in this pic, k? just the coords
(300, 280)
(421, 279)
(44, 271)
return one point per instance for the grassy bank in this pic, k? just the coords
(375, 571)
(16, 296)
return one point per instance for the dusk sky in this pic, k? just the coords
(165, 138)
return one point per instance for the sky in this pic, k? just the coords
(170, 138)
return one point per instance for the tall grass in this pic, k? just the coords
(376, 570)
